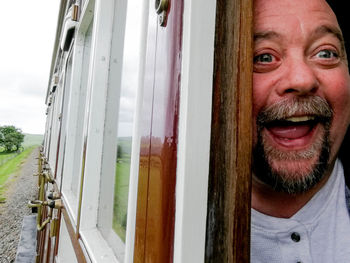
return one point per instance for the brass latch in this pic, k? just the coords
(53, 195)
(53, 198)
(162, 9)
(52, 204)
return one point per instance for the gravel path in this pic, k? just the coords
(22, 188)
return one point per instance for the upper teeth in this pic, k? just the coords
(301, 118)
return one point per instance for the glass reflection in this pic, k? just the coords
(126, 113)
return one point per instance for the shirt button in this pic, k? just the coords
(295, 237)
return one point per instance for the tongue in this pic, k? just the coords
(290, 132)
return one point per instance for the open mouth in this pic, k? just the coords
(294, 124)
(293, 127)
(293, 131)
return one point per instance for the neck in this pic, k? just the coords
(278, 204)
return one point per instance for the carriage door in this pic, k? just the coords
(159, 116)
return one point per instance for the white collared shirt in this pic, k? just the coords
(318, 232)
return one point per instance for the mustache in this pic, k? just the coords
(314, 106)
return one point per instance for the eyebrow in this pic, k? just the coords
(266, 35)
(326, 29)
(317, 33)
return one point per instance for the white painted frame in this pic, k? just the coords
(76, 111)
(48, 129)
(95, 244)
(64, 116)
(56, 105)
(194, 130)
(123, 251)
(105, 215)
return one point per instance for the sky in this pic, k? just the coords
(27, 29)
(130, 70)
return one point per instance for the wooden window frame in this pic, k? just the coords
(229, 193)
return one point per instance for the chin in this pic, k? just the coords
(292, 172)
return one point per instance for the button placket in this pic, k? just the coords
(294, 244)
(295, 236)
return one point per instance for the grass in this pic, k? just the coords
(121, 191)
(125, 143)
(10, 167)
(4, 157)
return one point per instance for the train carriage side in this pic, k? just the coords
(142, 99)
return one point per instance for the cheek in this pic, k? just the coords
(261, 91)
(261, 95)
(339, 98)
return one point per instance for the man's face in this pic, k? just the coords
(301, 92)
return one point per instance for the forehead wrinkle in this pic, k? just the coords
(317, 33)
(266, 35)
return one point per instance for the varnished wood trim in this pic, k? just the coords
(59, 216)
(81, 185)
(41, 238)
(48, 248)
(74, 238)
(229, 195)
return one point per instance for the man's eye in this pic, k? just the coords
(265, 62)
(263, 58)
(327, 54)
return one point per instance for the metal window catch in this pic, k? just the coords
(48, 177)
(53, 195)
(161, 7)
(52, 204)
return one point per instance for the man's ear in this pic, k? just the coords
(344, 155)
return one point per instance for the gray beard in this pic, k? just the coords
(264, 154)
(289, 184)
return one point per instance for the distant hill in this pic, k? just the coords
(32, 139)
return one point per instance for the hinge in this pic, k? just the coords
(53, 227)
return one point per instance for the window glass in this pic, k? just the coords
(126, 115)
(81, 110)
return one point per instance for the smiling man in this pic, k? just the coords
(301, 97)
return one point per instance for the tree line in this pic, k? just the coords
(11, 138)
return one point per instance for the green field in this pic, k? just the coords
(32, 140)
(121, 188)
(29, 140)
(12, 166)
(4, 157)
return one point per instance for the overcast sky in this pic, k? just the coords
(27, 29)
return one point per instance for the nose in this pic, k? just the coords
(299, 79)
